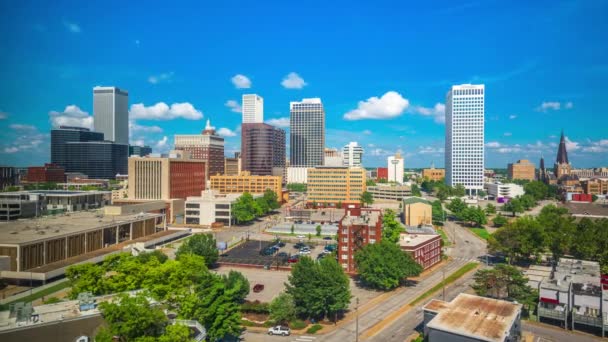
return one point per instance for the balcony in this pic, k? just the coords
(587, 316)
(553, 311)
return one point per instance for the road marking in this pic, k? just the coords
(305, 338)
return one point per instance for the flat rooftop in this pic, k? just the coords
(29, 230)
(485, 319)
(58, 192)
(436, 305)
(368, 217)
(586, 209)
(413, 240)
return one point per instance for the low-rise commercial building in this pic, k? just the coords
(356, 229)
(522, 169)
(595, 186)
(470, 318)
(53, 201)
(509, 190)
(232, 166)
(328, 186)
(47, 173)
(417, 212)
(433, 174)
(390, 191)
(245, 182)
(211, 207)
(424, 248)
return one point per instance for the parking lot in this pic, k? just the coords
(248, 253)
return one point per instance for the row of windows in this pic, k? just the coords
(468, 92)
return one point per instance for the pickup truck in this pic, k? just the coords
(279, 330)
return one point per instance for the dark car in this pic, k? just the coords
(282, 255)
(280, 244)
(299, 245)
(328, 238)
(267, 251)
(293, 259)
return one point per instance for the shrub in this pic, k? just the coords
(314, 329)
(255, 307)
(297, 324)
(52, 300)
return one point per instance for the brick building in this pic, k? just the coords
(47, 173)
(357, 228)
(433, 174)
(522, 169)
(424, 248)
(595, 186)
(207, 146)
(382, 173)
(245, 182)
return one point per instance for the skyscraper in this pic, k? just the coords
(207, 146)
(307, 133)
(395, 168)
(464, 136)
(262, 149)
(111, 113)
(352, 154)
(253, 108)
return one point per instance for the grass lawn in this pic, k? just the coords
(481, 232)
(446, 241)
(448, 280)
(43, 293)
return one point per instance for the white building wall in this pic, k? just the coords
(352, 155)
(253, 108)
(504, 190)
(297, 175)
(395, 169)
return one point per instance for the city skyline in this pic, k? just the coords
(387, 97)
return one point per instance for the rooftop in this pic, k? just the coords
(413, 240)
(63, 193)
(485, 319)
(368, 217)
(586, 209)
(215, 196)
(413, 199)
(436, 305)
(43, 228)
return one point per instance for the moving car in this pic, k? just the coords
(279, 330)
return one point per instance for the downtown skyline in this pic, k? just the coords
(382, 82)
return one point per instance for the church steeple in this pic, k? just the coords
(562, 154)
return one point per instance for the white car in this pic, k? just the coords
(304, 251)
(279, 330)
(301, 237)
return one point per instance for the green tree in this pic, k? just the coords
(559, 227)
(318, 229)
(237, 284)
(87, 277)
(200, 244)
(457, 206)
(475, 215)
(416, 190)
(370, 182)
(481, 193)
(244, 208)
(319, 289)
(271, 199)
(527, 201)
(438, 213)
(147, 257)
(459, 191)
(521, 239)
(367, 198)
(514, 206)
(391, 228)
(499, 221)
(292, 228)
(537, 189)
(261, 207)
(133, 317)
(175, 333)
(282, 308)
(339, 205)
(443, 192)
(296, 187)
(384, 265)
(490, 209)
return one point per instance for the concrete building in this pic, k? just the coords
(595, 186)
(352, 155)
(333, 185)
(55, 201)
(140, 151)
(395, 168)
(16, 207)
(232, 166)
(111, 113)
(425, 249)
(262, 149)
(47, 173)
(470, 318)
(245, 182)
(509, 190)
(601, 172)
(253, 108)
(389, 191)
(297, 175)
(207, 146)
(68, 134)
(8, 177)
(433, 174)
(382, 173)
(307, 133)
(356, 229)
(522, 169)
(152, 178)
(332, 156)
(211, 207)
(464, 136)
(417, 212)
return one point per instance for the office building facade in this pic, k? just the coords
(522, 169)
(207, 146)
(232, 166)
(395, 165)
(262, 149)
(246, 182)
(8, 177)
(464, 136)
(328, 186)
(47, 173)
(352, 155)
(111, 113)
(97, 159)
(140, 151)
(65, 134)
(307, 133)
(253, 108)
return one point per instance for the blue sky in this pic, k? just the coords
(387, 65)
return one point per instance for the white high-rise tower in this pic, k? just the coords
(307, 133)
(111, 113)
(352, 154)
(395, 168)
(464, 136)
(253, 108)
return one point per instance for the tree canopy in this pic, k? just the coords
(391, 228)
(384, 265)
(367, 198)
(296, 187)
(416, 190)
(200, 244)
(282, 308)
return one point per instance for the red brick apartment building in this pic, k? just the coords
(424, 248)
(46, 173)
(382, 173)
(358, 227)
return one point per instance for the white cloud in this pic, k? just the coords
(234, 106)
(241, 81)
(72, 115)
(226, 132)
(508, 134)
(493, 144)
(430, 150)
(27, 138)
(554, 105)
(161, 111)
(137, 142)
(134, 128)
(280, 122)
(162, 143)
(599, 146)
(293, 81)
(164, 77)
(390, 105)
(379, 152)
(367, 132)
(3, 115)
(21, 127)
(569, 105)
(437, 112)
(371, 145)
(572, 145)
(11, 149)
(508, 150)
(512, 116)
(72, 27)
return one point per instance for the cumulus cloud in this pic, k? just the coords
(437, 112)
(26, 139)
(234, 106)
(389, 106)
(161, 111)
(72, 115)
(138, 142)
(72, 27)
(162, 143)
(279, 122)
(493, 144)
(226, 132)
(135, 128)
(164, 77)
(11, 149)
(22, 127)
(572, 145)
(430, 150)
(241, 81)
(554, 105)
(3, 115)
(379, 152)
(508, 134)
(513, 149)
(293, 81)
(512, 116)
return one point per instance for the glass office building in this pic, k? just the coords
(262, 148)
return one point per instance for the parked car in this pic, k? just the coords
(258, 288)
(282, 255)
(280, 244)
(328, 238)
(279, 330)
(304, 251)
(299, 245)
(293, 259)
(301, 237)
(330, 248)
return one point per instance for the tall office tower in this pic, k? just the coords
(395, 168)
(253, 108)
(352, 154)
(464, 137)
(307, 133)
(207, 146)
(262, 149)
(111, 113)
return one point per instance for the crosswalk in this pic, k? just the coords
(304, 339)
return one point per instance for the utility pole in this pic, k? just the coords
(357, 324)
